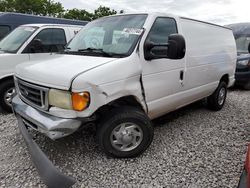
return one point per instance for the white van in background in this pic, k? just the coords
(25, 43)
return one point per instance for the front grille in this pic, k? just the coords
(34, 95)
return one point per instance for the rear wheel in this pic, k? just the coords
(7, 92)
(125, 132)
(217, 100)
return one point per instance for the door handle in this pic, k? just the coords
(182, 77)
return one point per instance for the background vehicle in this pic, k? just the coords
(139, 67)
(10, 21)
(245, 176)
(25, 43)
(242, 36)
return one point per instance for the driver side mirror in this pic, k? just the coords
(249, 48)
(174, 49)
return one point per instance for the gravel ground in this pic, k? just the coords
(192, 147)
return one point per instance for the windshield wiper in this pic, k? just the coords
(96, 50)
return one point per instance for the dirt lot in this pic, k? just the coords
(192, 147)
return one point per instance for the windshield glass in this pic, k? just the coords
(115, 35)
(12, 42)
(242, 43)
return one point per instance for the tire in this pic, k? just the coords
(247, 86)
(216, 101)
(5, 87)
(112, 130)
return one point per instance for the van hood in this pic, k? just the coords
(58, 71)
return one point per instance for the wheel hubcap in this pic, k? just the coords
(222, 95)
(8, 96)
(126, 136)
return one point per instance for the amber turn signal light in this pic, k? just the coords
(80, 101)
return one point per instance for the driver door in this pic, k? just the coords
(163, 79)
(47, 42)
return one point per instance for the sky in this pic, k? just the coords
(216, 11)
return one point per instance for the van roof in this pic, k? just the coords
(240, 28)
(172, 15)
(44, 25)
(13, 18)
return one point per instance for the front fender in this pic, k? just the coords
(106, 93)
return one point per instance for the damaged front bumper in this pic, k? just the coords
(51, 126)
(49, 174)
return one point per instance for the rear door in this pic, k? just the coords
(162, 78)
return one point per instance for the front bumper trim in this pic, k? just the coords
(47, 171)
(52, 126)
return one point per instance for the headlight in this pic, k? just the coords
(67, 100)
(244, 62)
(61, 99)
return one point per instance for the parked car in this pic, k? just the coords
(26, 43)
(242, 36)
(245, 176)
(10, 21)
(138, 67)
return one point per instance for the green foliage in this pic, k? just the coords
(36, 7)
(103, 11)
(78, 14)
(81, 14)
(52, 8)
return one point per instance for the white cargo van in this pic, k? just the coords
(26, 43)
(139, 67)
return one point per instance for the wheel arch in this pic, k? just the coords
(4, 79)
(129, 100)
(225, 78)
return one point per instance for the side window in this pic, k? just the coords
(4, 30)
(48, 40)
(161, 29)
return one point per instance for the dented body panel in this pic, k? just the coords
(156, 85)
(104, 79)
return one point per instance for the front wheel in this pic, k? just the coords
(7, 92)
(125, 132)
(217, 100)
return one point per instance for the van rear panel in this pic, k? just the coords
(210, 52)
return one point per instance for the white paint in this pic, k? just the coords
(8, 61)
(210, 54)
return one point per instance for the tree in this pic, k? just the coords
(103, 11)
(78, 14)
(36, 7)
(52, 8)
(87, 16)
(6, 5)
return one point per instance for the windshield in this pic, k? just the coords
(115, 35)
(242, 43)
(12, 42)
